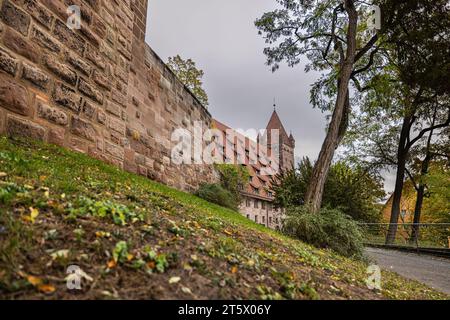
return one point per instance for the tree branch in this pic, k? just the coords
(369, 64)
(411, 177)
(366, 48)
(384, 155)
(422, 133)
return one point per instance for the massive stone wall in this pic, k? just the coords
(99, 90)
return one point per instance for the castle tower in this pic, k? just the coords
(285, 143)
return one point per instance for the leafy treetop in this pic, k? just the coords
(190, 76)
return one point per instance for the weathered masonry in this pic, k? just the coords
(100, 90)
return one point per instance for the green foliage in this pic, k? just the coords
(159, 260)
(190, 76)
(329, 228)
(75, 175)
(119, 213)
(228, 193)
(233, 178)
(290, 186)
(9, 191)
(120, 252)
(215, 193)
(352, 190)
(296, 30)
(437, 205)
(420, 42)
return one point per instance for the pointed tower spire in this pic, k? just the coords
(275, 123)
(285, 143)
(292, 139)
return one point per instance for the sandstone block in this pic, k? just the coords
(56, 136)
(101, 117)
(40, 13)
(94, 56)
(24, 128)
(8, 63)
(36, 76)
(78, 63)
(52, 114)
(60, 69)
(44, 40)
(14, 97)
(113, 108)
(90, 91)
(119, 98)
(114, 150)
(83, 129)
(117, 126)
(69, 37)
(20, 45)
(101, 80)
(88, 109)
(14, 17)
(66, 97)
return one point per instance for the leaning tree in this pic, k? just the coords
(407, 96)
(418, 34)
(334, 36)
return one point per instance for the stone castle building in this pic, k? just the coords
(101, 90)
(257, 194)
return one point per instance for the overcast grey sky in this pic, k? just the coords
(221, 38)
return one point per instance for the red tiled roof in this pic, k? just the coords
(275, 123)
(262, 182)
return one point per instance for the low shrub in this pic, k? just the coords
(330, 228)
(120, 214)
(215, 193)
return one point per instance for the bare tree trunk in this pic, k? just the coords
(421, 189)
(402, 154)
(314, 193)
(417, 213)
(345, 119)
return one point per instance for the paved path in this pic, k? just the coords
(432, 271)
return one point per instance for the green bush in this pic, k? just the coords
(328, 229)
(233, 178)
(215, 193)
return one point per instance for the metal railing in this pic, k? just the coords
(415, 235)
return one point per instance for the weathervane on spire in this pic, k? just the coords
(274, 105)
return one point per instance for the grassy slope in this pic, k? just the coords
(207, 251)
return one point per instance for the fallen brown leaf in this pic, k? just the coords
(112, 264)
(46, 288)
(35, 281)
